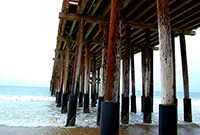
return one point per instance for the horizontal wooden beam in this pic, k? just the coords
(136, 25)
(71, 39)
(73, 52)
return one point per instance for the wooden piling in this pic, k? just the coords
(71, 117)
(147, 107)
(123, 76)
(174, 68)
(143, 76)
(65, 80)
(98, 84)
(81, 83)
(103, 70)
(60, 80)
(125, 98)
(93, 93)
(133, 96)
(187, 101)
(87, 77)
(110, 106)
(167, 108)
(57, 80)
(152, 79)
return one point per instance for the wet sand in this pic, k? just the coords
(183, 129)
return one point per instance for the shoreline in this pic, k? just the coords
(138, 129)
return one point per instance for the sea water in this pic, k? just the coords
(34, 107)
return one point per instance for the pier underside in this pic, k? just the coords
(95, 35)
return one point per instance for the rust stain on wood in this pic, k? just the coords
(114, 52)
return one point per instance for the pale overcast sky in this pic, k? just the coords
(28, 32)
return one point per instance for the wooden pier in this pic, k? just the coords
(95, 35)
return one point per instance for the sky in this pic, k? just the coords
(28, 32)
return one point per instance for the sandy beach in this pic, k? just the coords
(183, 129)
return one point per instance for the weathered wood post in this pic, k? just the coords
(98, 84)
(81, 83)
(87, 77)
(147, 106)
(143, 76)
(110, 106)
(125, 98)
(151, 81)
(64, 99)
(187, 101)
(167, 108)
(103, 71)
(52, 87)
(93, 91)
(60, 80)
(123, 76)
(57, 77)
(133, 96)
(174, 68)
(71, 115)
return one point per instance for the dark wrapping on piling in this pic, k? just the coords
(100, 99)
(86, 104)
(80, 104)
(64, 100)
(71, 119)
(133, 104)
(58, 99)
(110, 118)
(147, 109)
(167, 119)
(125, 110)
(187, 110)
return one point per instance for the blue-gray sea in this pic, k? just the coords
(34, 107)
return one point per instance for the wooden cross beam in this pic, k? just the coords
(71, 39)
(136, 25)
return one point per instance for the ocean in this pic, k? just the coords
(35, 107)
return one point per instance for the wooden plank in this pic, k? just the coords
(189, 22)
(90, 30)
(187, 8)
(63, 27)
(136, 6)
(81, 9)
(96, 7)
(72, 28)
(126, 2)
(187, 16)
(106, 9)
(146, 9)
